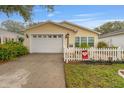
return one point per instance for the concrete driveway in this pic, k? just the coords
(35, 71)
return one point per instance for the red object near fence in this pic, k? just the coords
(84, 54)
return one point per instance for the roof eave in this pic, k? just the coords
(80, 27)
(104, 36)
(49, 22)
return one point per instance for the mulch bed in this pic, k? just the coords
(3, 62)
(102, 62)
(95, 62)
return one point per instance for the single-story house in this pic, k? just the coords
(114, 38)
(8, 36)
(52, 37)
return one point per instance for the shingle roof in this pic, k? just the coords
(113, 33)
(80, 26)
(59, 24)
(52, 23)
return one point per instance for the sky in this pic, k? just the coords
(88, 16)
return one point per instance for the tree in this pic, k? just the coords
(23, 10)
(110, 26)
(12, 26)
(32, 24)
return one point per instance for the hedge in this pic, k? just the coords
(11, 50)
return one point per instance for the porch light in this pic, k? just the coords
(67, 35)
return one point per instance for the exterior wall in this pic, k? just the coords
(53, 29)
(83, 33)
(114, 40)
(49, 29)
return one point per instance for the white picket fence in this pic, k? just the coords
(106, 54)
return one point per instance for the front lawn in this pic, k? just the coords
(93, 76)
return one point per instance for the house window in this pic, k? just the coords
(77, 41)
(39, 36)
(44, 36)
(49, 36)
(54, 36)
(34, 36)
(91, 41)
(59, 36)
(83, 40)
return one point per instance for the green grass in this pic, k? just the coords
(93, 76)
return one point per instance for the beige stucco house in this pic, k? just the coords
(52, 37)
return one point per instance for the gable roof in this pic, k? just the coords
(61, 25)
(79, 26)
(113, 33)
(42, 23)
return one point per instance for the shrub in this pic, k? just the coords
(18, 48)
(21, 39)
(113, 46)
(11, 50)
(84, 45)
(6, 53)
(102, 45)
(77, 45)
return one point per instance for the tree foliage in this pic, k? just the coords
(25, 11)
(110, 26)
(32, 24)
(12, 26)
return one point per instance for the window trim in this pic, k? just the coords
(93, 40)
(81, 40)
(87, 41)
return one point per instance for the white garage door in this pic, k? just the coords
(46, 43)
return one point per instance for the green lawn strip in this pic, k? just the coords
(83, 75)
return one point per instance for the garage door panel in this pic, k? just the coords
(46, 45)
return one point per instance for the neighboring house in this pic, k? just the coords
(115, 38)
(8, 36)
(52, 37)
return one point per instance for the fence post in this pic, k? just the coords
(119, 53)
(67, 55)
(64, 54)
(75, 54)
